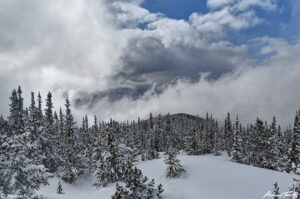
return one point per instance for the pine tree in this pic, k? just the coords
(59, 188)
(295, 190)
(259, 143)
(206, 142)
(121, 193)
(32, 120)
(217, 140)
(5, 141)
(236, 148)
(137, 186)
(174, 168)
(86, 144)
(102, 173)
(151, 152)
(16, 117)
(109, 163)
(68, 170)
(228, 134)
(191, 145)
(273, 155)
(294, 151)
(168, 132)
(276, 193)
(245, 143)
(23, 174)
(48, 138)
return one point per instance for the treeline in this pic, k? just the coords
(37, 142)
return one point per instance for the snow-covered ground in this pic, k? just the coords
(207, 177)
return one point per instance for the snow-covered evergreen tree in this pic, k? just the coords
(48, 137)
(259, 143)
(294, 192)
(236, 148)
(228, 134)
(273, 155)
(276, 193)
(109, 163)
(102, 173)
(60, 189)
(121, 193)
(294, 150)
(22, 174)
(191, 145)
(174, 168)
(68, 170)
(137, 186)
(151, 152)
(217, 141)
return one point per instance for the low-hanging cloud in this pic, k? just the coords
(117, 59)
(264, 91)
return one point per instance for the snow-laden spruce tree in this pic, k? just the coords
(121, 193)
(151, 151)
(48, 138)
(206, 144)
(25, 175)
(103, 173)
(71, 162)
(174, 168)
(59, 189)
(273, 155)
(237, 139)
(276, 192)
(295, 190)
(109, 163)
(217, 141)
(4, 157)
(21, 171)
(293, 193)
(86, 143)
(228, 133)
(137, 186)
(294, 150)
(191, 144)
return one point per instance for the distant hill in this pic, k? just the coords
(181, 117)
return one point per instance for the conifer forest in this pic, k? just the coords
(38, 142)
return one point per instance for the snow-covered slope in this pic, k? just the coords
(207, 177)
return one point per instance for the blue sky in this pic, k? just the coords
(282, 22)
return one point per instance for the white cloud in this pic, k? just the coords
(241, 5)
(80, 47)
(130, 15)
(230, 15)
(213, 4)
(218, 21)
(265, 91)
